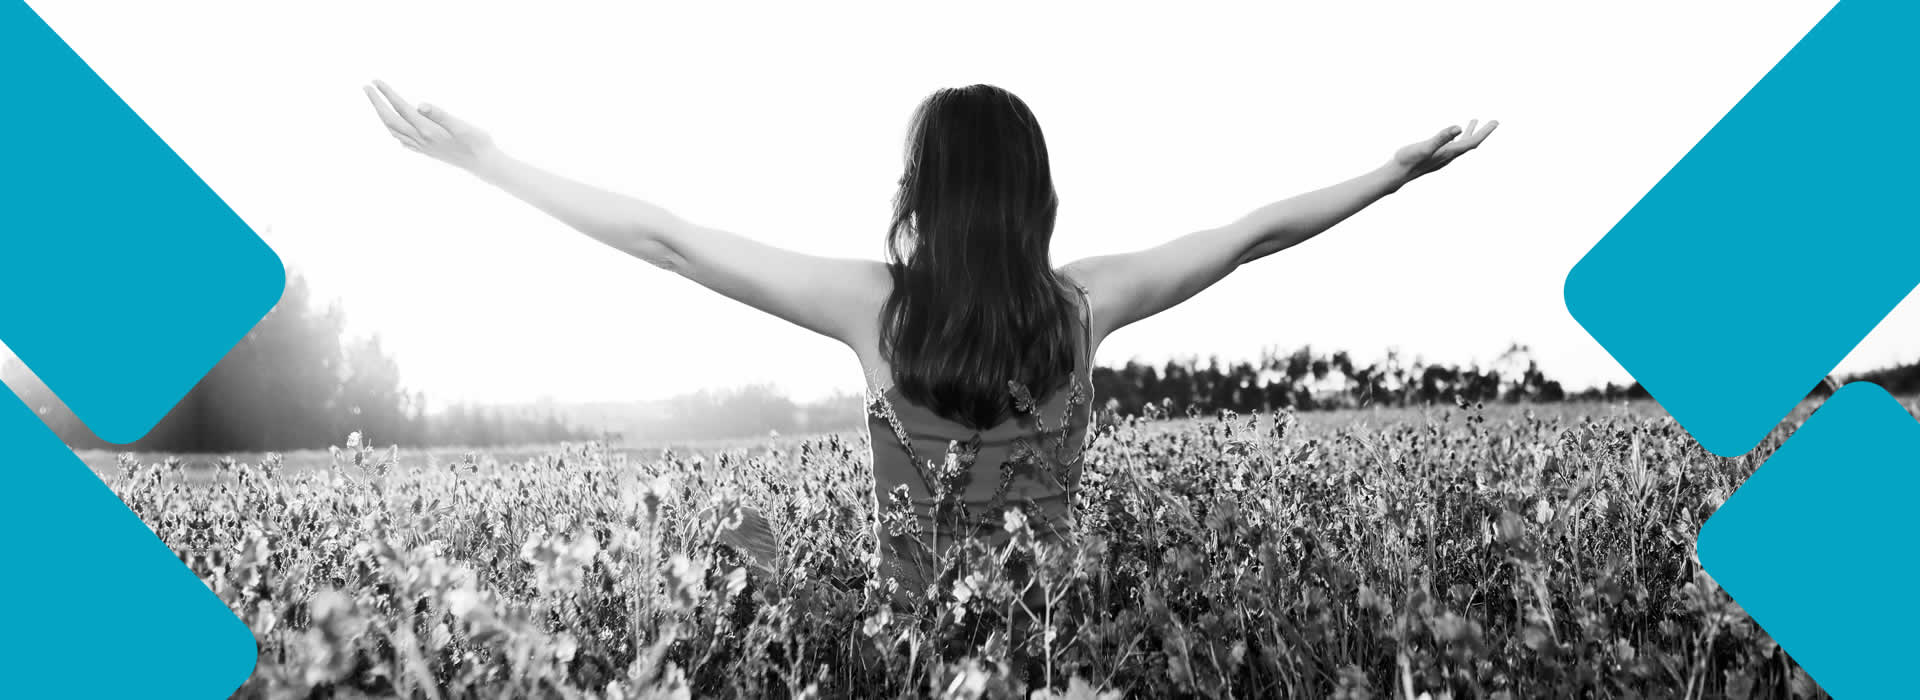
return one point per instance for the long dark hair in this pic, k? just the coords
(975, 300)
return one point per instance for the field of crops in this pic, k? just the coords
(1453, 552)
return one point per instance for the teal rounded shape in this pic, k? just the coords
(1778, 243)
(1818, 545)
(96, 605)
(128, 277)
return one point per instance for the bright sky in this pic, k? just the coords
(785, 122)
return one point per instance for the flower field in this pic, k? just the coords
(1465, 552)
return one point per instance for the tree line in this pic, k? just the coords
(1306, 380)
(298, 381)
(1902, 380)
(1302, 380)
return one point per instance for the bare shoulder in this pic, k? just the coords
(1090, 272)
(864, 284)
(869, 278)
(1096, 277)
(869, 283)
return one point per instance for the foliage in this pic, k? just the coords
(1504, 552)
(1899, 379)
(1306, 380)
(295, 381)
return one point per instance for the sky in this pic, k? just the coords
(785, 122)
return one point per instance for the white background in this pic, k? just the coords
(786, 123)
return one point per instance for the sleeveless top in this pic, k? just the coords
(931, 473)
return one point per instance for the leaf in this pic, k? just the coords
(736, 582)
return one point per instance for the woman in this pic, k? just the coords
(977, 350)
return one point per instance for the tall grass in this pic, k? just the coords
(1460, 552)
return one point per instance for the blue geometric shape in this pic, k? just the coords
(1778, 242)
(1818, 545)
(128, 278)
(96, 605)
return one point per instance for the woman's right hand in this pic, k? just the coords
(430, 130)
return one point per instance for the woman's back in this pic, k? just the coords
(934, 475)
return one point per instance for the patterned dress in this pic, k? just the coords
(932, 474)
(937, 480)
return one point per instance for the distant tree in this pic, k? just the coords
(294, 381)
(371, 396)
(273, 390)
(1898, 379)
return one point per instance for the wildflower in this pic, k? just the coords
(899, 518)
(1022, 397)
(877, 622)
(962, 592)
(969, 682)
(1015, 520)
(684, 587)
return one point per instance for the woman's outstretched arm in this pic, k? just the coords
(1129, 287)
(830, 296)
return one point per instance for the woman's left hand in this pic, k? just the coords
(1432, 154)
